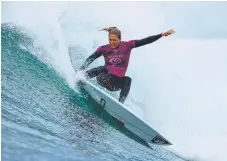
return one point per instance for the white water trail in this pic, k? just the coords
(41, 20)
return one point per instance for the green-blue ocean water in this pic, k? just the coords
(44, 119)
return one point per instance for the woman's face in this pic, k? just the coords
(114, 41)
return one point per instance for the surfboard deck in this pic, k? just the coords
(124, 115)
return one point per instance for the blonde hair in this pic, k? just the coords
(113, 30)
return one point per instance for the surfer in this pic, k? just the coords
(116, 55)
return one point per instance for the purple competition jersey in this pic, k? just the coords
(117, 59)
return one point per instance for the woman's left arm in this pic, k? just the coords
(153, 38)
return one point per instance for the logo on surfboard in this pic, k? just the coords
(159, 140)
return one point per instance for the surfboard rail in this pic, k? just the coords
(130, 120)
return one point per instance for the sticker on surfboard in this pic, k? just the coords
(159, 140)
(102, 102)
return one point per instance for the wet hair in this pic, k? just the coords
(113, 30)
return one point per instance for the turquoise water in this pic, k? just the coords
(44, 119)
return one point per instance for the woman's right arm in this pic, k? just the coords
(90, 59)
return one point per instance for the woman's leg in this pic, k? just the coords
(109, 81)
(125, 88)
(96, 71)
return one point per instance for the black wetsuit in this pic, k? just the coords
(109, 80)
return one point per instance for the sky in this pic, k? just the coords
(198, 19)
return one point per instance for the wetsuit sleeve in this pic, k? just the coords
(147, 40)
(90, 59)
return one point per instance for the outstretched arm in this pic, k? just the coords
(151, 39)
(90, 59)
(147, 40)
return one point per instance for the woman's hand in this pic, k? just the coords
(77, 70)
(167, 33)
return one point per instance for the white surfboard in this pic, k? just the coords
(128, 118)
